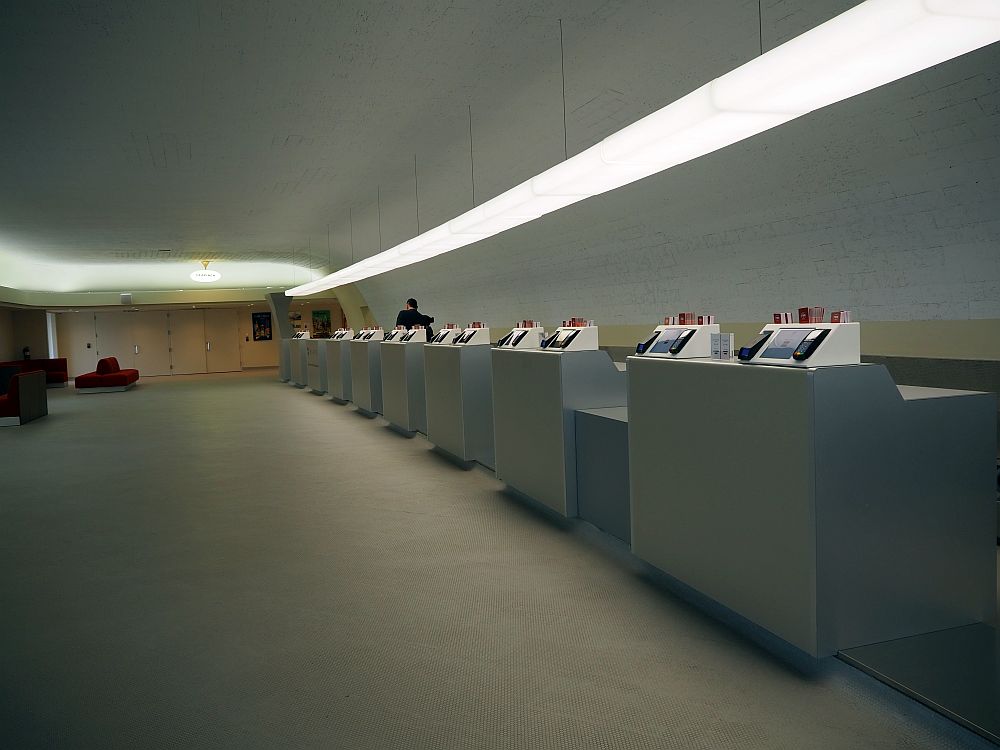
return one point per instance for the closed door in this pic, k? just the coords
(187, 342)
(151, 343)
(114, 337)
(222, 339)
(78, 342)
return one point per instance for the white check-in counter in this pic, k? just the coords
(299, 362)
(403, 401)
(316, 365)
(366, 371)
(826, 505)
(459, 382)
(338, 366)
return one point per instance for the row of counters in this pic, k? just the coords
(826, 505)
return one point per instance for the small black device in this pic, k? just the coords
(562, 343)
(517, 339)
(642, 346)
(809, 344)
(681, 340)
(505, 339)
(548, 342)
(747, 352)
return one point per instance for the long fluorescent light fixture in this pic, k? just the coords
(874, 43)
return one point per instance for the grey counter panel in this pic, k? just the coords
(602, 469)
(535, 397)
(285, 360)
(297, 348)
(819, 504)
(459, 382)
(366, 375)
(404, 402)
(316, 364)
(338, 371)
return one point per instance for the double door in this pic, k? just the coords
(136, 339)
(180, 342)
(204, 341)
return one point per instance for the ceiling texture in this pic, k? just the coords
(139, 137)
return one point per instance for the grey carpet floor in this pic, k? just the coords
(226, 561)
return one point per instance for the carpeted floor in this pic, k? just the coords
(230, 562)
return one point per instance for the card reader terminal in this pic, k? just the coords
(748, 352)
(643, 346)
(809, 344)
(681, 340)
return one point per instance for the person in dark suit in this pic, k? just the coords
(409, 316)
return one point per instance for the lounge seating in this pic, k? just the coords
(55, 369)
(24, 400)
(109, 377)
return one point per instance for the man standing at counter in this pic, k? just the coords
(409, 316)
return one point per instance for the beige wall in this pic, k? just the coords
(257, 353)
(30, 330)
(7, 350)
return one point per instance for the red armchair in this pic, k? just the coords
(109, 377)
(24, 400)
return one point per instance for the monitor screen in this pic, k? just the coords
(784, 343)
(667, 337)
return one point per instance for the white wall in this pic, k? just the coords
(886, 204)
(31, 330)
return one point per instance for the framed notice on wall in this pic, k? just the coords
(261, 324)
(321, 324)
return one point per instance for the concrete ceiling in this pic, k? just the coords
(242, 130)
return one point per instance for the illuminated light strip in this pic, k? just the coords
(870, 45)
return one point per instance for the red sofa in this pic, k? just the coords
(25, 399)
(56, 372)
(109, 377)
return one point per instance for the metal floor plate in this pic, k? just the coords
(955, 672)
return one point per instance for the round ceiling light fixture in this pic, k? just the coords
(205, 276)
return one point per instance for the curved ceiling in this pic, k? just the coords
(149, 135)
